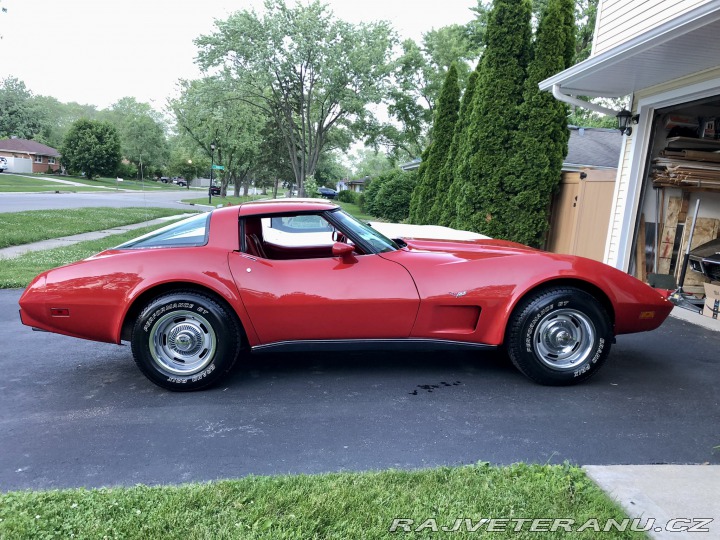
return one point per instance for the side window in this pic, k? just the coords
(298, 231)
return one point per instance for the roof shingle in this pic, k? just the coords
(25, 146)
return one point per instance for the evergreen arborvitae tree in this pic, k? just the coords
(444, 209)
(415, 198)
(446, 115)
(541, 141)
(484, 158)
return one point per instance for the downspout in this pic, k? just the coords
(560, 96)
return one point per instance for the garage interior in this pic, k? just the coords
(683, 167)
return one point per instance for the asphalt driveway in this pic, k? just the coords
(76, 413)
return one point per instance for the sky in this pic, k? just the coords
(98, 51)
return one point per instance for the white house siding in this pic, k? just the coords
(619, 21)
(615, 230)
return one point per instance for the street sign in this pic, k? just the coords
(218, 167)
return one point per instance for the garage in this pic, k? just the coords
(682, 176)
(663, 62)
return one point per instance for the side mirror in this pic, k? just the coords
(345, 251)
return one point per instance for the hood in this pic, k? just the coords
(470, 247)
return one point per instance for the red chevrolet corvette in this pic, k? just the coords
(304, 275)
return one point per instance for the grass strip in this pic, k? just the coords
(19, 271)
(11, 182)
(17, 228)
(355, 211)
(218, 200)
(328, 506)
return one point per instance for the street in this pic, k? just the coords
(18, 202)
(78, 413)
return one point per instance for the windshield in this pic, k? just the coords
(377, 241)
(188, 232)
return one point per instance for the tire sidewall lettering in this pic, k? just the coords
(164, 309)
(220, 319)
(523, 348)
(193, 378)
(531, 327)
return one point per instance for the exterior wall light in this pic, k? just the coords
(624, 118)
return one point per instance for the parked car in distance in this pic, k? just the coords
(164, 179)
(327, 192)
(180, 182)
(195, 295)
(215, 190)
(3, 164)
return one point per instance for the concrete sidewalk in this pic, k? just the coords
(16, 251)
(672, 501)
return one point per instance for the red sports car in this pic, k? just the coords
(304, 275)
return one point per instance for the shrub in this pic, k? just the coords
(371, 190)
(347, 196)
(392, 199)
(311, 188)
(127, 170)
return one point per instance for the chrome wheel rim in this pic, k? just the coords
(564, 339)
(182, 343)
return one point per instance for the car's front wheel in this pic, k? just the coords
(185, 341)
(559, 336)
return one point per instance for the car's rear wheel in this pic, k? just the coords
(185, 341)
(559, 336)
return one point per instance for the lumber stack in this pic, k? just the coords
(688, 163)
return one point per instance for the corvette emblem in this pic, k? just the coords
(458, 294)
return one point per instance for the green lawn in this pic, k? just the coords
(42, 182)
(17, 228)
(216, 200)
(356, 211)
(344, 506)
(13, 183)
(19, 271)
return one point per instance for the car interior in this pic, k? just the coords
(289, 237)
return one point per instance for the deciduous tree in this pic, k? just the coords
(208, 113)
(142, 134)
(92, 147)
(305, 68)
(19, 115)
(417, 78)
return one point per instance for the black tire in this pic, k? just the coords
(185, 341)
(559, 336)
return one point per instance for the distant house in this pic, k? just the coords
(411, 165)
(26, 156)
(357, 185)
